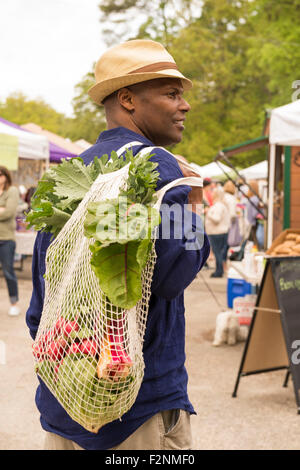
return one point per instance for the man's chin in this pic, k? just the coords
(172, 140)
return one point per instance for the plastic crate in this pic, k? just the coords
(237, 288)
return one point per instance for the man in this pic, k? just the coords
(141, 90)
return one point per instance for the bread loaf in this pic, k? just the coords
(289, 243)
(282, 250)
(291, 236)
(290, 246)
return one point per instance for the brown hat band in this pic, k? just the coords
(157, 67)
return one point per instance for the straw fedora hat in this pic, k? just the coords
(133, 62)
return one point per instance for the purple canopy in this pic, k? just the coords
(56, 153)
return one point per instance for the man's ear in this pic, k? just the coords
(125, 98)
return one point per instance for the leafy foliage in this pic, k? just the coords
(21, 110)
(243, 57)
(159, 19)
(122, 229)
(59, 192)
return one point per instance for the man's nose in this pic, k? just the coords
(184, 105)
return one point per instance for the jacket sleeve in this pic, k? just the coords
(34, 312)
(11, 204)
(182, 247)
(214, 213)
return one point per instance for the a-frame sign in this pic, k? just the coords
(274, 336)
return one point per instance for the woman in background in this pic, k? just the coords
(254, 213)
(217, 221)
(9, 199)
(230, 200)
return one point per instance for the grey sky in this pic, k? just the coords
(47, 46)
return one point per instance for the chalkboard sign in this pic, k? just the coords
(274, 337)
(286, 274)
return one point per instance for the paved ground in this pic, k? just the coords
(263, 416)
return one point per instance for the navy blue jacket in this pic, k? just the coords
(165, 380)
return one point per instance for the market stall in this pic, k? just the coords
(56, 152)
(65, 146)
(26, 155)
(284, 140)
(281, 136)
(31, 146)
(275, 327)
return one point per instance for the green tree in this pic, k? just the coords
(20, 109)
(275, 48)
(89, 119)
(241, 55)
(87, 123)
(159, 20)
(213, 53)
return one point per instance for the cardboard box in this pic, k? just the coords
(244, 308)
(280, 239)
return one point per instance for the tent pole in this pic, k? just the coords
(271, 194)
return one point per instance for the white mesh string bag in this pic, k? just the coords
(88, 351)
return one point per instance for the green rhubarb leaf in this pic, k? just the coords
(143, 251)
(119, 221)
(119, 273)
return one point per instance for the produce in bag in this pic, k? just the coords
(88, 348)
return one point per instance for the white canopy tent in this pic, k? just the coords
(31, 146)
(211, 169)
(284, 130)
(256, 172)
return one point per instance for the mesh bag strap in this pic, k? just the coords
(127, 146)
(189, 181)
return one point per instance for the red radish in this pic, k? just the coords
(49, 336)
(89, 346)
(55, 350)
(59, 325)
(37, 351)
(73, 349)
(70, 326)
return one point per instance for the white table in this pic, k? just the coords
(25, 242)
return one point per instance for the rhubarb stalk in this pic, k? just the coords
(114, 363)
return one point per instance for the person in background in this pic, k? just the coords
(208, 187)
(254, 210)
(230, 199)
(28, 196)
(22, 206)
(9, 199)
(217, 221)
(231, 203)
(207, 192)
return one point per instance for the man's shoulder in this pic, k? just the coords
(168, 166)
(96, 150)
